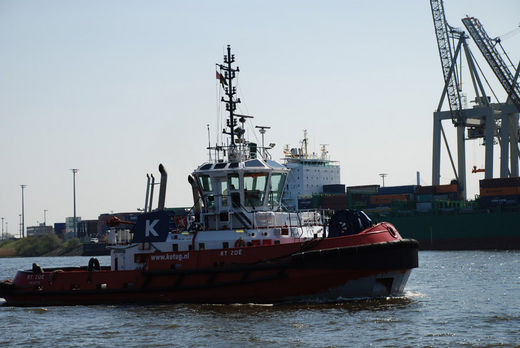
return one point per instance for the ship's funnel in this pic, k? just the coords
(162, 188)
(196, 195)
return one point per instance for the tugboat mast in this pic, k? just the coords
(230, 91)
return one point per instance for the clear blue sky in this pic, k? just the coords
(116, 87)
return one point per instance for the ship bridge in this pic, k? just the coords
(227, 194)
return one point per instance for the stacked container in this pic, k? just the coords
(499, 192)
(333, 197)
(389, 195)
(437, 193)
(359, 196)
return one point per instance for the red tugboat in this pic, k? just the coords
(238, 245)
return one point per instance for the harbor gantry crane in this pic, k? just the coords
(481, 121)
(509, 123)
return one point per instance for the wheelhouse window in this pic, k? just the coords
(224, 194)
(220, 165)
(205, 183)
(207, 190)
(276, 185)
(234, 187)
(206, 166)
(255, 185)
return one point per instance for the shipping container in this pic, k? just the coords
(359, 196)
(488, 202)
(316, 201)
(500, 182)
(424, 198)
(424, 190)
(442, 197)
(334, 202)
(395, 190)
(365, 189)
(358, 204)
(387, 199)
(451, 188)
(430, 190)
(334, 189)
(499, 191)
(423, 206)
(304, 203)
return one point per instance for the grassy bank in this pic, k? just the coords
(38, 246)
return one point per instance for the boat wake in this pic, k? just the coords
(413, 294)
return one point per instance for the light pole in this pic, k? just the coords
(74, 171)
(23, 215)
(3, 237)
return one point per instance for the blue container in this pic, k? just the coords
(499, 201)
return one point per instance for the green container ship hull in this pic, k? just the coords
(460, 230)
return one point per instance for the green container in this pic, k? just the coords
(424, 198)
(316, 201)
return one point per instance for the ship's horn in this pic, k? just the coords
(162, 188)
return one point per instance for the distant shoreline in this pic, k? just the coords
(61, 251)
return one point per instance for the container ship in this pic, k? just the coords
(436, 216)
(440, 220)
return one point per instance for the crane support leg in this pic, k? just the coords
(513, 143)
(489, 136)
(504, 146)
(461, 159)
(438, 131)
(436, 164)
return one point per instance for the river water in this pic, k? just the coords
(454, 299)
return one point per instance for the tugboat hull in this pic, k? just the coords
(373, 270)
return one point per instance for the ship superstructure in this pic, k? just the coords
(308, 175)
(237, 196)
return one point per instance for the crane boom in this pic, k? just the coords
(494, 59)
(442, 33)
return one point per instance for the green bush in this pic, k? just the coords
(37, 246)
(71, 244)
(7, 243)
